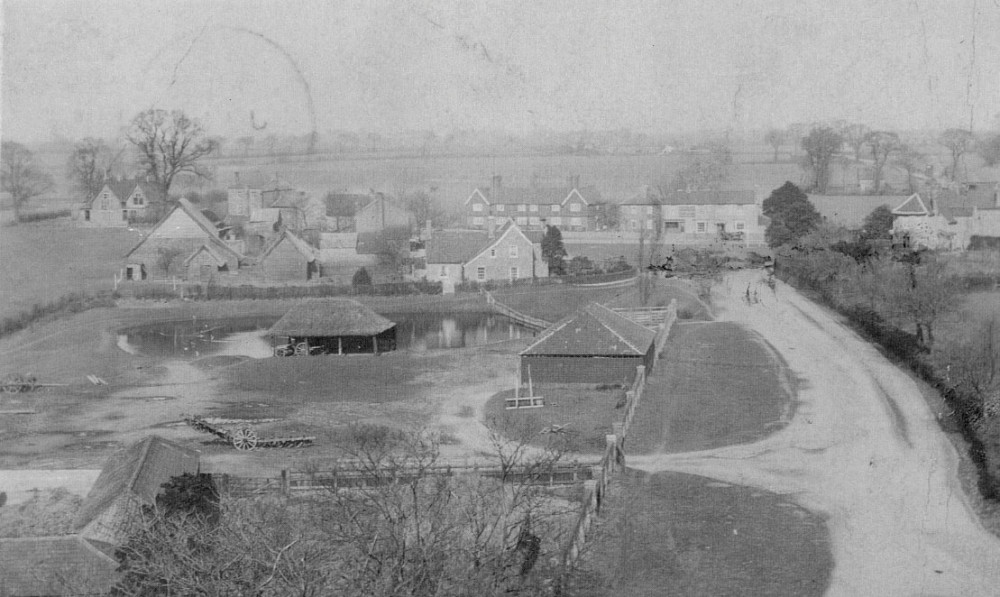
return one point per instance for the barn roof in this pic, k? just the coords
(210, 228)
(57, 565)
(139, 470)
(455, 246)
(330, 317)
(300, 245)
(594, 330)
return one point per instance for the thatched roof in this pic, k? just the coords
(594, 330)
(329, 318)
(57, 565)
(137, 472)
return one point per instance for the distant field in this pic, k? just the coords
(42, 261)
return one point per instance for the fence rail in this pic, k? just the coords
(525, 320)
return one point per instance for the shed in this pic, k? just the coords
(594, 345)
(287, 259)
(130, 479)
(55, 565)
(335, 326)
(204, 263)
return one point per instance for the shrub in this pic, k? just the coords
(43, 215)
(361, 278)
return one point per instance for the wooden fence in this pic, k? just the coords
(525, 320)
(353, 476)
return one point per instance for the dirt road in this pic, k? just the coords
(863, 449)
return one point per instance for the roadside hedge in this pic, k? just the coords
(211, 292)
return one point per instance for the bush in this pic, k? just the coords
(361, 278)
(42, 215)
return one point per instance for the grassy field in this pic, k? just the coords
(716, 385)
(42, 261)
(585, 413)
(684, 535)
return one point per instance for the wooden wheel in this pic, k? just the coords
(245, 439)
(301, 349)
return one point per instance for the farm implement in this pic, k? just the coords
(15, 383)
(245, 438)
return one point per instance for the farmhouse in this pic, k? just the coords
(693, 216)
(457, 256)
(594, 345)
(571, 207)
(129, 480)
(335, 326)
(172, 245)
(119, 203)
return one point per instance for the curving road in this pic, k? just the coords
(863, 449)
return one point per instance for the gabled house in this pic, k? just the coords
(288, 258)
(119, 203)
(182, 233)
(949, 219)
(507, 254)
(130, 479)
(572, 207)
(693, 216)
(381, 214)
(593, 345)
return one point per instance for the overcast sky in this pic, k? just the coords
(85, 67)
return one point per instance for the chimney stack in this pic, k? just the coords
(491, 232)
(495, 188)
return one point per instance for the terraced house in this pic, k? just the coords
(684, 216)
(570, 207)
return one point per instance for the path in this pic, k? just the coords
(863, 449)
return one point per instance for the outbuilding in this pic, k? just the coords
(595, 345)
(333, 326)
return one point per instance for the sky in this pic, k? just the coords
(75, 68)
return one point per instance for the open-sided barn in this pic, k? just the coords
(594, 345)
(335, 326)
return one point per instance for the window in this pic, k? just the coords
(533, 208)
(556, 208)
(673, 227)
(575, 222)
(477, 221)
(138, 199)
(649, 224)
(700, 227)
(86, 215)
(513, 273)
(649, 210)
(500, 206)
(534, 221)
(125, 215)
(740, 226)
(480, 273)
(444, 271)
(512, 252)
(686, 211)
(575, 207)
(493, 252)
(522, 221)
(556, 221)
(477, 207)
(522, 207)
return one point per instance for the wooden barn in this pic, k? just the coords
(595, 346)
(333, 326)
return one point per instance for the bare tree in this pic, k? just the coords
(882, 144)
(988, 148)
(165, 257)
(775, 138)
(20, 176)
(958, 141)
(169, 144)
(88, 166)
(911, 161)
(922, 292)
(423, 207)
(856, 136)
(820, 145)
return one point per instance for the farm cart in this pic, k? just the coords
(245, 438)
(15, 383)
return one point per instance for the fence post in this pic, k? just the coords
(284, 482)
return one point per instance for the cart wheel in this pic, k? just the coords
(245, 439)
(12, 383)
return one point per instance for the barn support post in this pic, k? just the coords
(375, 340)
(340, 345)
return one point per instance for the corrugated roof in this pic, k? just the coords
(330, 317)
(850, 211)
(139, 470)
(595, 330)
(58, 565)
(709, 198)
(455, 246)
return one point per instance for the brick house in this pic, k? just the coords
(119, 203)
(681, 216)
(507, 254)
(571, 208)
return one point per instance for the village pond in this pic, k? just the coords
(199, 337)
